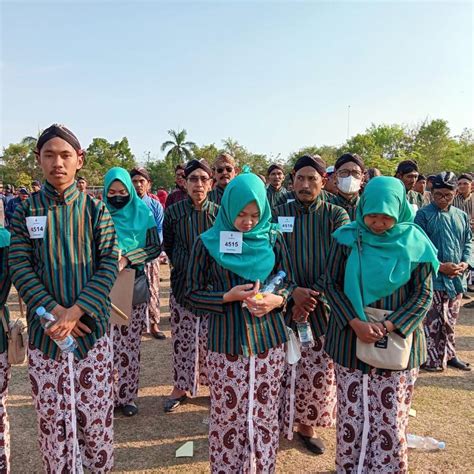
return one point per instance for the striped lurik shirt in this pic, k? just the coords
(466, 205)
(350, 205)
(74, 263)
(232, 329)
(416, 198)
(181, 226)
(410, 304)
(276, 197)
(5, 285)
(308, 246)
(216, 195)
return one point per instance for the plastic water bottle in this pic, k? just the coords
(68, 344)
(273, 285)
(422, 442)
(305, 334)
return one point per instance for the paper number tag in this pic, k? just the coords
(230, 242)
(286, 223)
(36, 226)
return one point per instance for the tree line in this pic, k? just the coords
(430, 143)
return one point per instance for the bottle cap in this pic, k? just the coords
(441, 445)
(41, 311)
(281, 274)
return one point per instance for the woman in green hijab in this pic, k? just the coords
(139, 243)
(381, 263)
(5, 285)
(245, 346)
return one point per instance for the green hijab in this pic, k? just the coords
(134, 219)
(389, 258)
(4, 237)
(257, 259)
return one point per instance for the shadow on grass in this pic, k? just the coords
(465, 343)
(448, 382)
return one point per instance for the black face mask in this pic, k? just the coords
(118, 201)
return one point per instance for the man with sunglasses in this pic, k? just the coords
(224, 172)
(349, 170)
(449, 229)
(179, 193)
(183, 223)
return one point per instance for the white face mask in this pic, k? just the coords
(349, 185)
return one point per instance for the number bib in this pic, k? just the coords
(230, 242)
(286, 223)
(36, 226)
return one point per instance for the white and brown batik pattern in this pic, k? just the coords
(4, 423)
(189, 337)
(439, 327)
(243, 426)
(389, 400)
(126, 343)
(80, 424)
(152, 270)
(314, 390)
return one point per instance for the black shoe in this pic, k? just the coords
(130, 410)
(431, 369)
(172, 403)
(459, 364)
(158, 335)
(469, 305)
(315, 445)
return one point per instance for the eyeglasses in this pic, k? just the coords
(180, 175)
(347, 173)
(196, 179)
(229, 169)
(440, 196)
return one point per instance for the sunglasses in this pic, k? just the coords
(229, 169)
(196, 179)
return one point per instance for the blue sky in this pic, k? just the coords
(276, 76)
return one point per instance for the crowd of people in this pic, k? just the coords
(374, 265)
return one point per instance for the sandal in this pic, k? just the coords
(172, 403)
(130, 410)
(315, 445)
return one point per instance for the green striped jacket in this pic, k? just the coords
(308, 246)
(409, 304)
(232, 329)
(181, 226)
(74, 263)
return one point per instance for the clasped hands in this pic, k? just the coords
(257, 307)
(67, 322)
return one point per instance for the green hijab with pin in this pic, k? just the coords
(257, 259)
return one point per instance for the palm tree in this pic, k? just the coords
(179, 150)
(232, 146)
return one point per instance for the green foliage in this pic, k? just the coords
(179, 150)
(161, 174)
(19, 166)
(206, 152)
(102, 155)
(381, 146)
(328, 153)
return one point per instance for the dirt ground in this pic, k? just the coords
(147, 442)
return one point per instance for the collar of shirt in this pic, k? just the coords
(68, 196)
(190, 205)
(313, 207)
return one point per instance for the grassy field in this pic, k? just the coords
(147, 442)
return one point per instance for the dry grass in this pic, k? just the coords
(147, 443)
